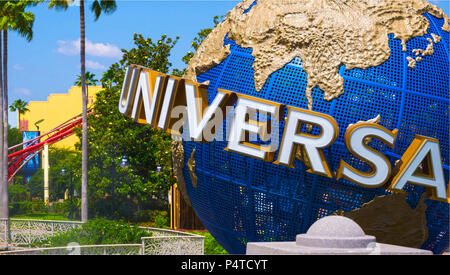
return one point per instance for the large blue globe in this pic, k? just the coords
(241, 199)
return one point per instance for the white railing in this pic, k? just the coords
(28, 231)
(110, 249)
(165, 232)
(162, 242)
(4, 230)
(173, 245)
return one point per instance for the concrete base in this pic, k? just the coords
(290, 248)
(334, 235)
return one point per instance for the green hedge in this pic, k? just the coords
(156, 218)
(98, 231)
(23, 207)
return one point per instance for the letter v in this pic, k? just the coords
(198, 111)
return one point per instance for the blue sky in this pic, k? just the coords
(50, 62)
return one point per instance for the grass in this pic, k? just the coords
(41, 216)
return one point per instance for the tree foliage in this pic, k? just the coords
(89, 79)
(154, 55)
(14, 136)
(98, 7)
(13, 17)
(20, 106)
(58, 183)
(116, 191)
(112, 135)
(113, 189)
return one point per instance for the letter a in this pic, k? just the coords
(422, 148)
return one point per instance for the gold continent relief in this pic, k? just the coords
(391, 220)
(325, 34)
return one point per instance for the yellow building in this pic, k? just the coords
(57, 109)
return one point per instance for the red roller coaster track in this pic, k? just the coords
(17, 157)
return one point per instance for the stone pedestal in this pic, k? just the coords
(331, 235)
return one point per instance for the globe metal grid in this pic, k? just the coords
(241, 199)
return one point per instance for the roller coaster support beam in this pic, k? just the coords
(46, 170)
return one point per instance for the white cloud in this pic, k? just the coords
(104, 50)
(72, 47)
(22, 91)
(94, 65)
(17, 67)
(68, 47)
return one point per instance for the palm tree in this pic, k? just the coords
(21, 107)
(107, 78)
(97, 6)
(89, 77)
(4, 211)
(90, 81)
(14, 18)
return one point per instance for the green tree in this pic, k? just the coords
(13, 17)
(14, 136)
(153, 55)
(98, 7)
(17, 192)
(20, 106)
(106, 79)
(59, 183)
(112, 135)
(89, 78)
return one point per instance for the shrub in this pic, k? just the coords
(98, 231)
(156, 218)
(16, 208)
(58, 207)
(39, 206)
(161, 220)
(212, 247)
(143, 216)
(24, 207)
(17, 192)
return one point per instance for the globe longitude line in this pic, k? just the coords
(211, 204)
(248, 186)
(402, 99)
(269, 89)
(439, 30)
(251, 214)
